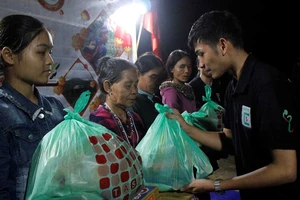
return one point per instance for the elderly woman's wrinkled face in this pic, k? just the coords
(124, 92)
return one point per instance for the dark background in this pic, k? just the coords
(270, 28)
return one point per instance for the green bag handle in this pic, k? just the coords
(199, 114)
(192, 118)
(208, 99)
(207, 93)
(82, 101)
(80, 104)
(163, 108)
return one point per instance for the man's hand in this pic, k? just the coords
(199, 186)
(176, 115)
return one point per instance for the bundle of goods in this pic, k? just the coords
(214, 111)
(170, 157)
(79, 159)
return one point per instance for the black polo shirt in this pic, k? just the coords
(261, 113)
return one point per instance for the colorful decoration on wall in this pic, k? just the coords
(52, 5)
(85, 16)
(102, 37)
(127, 44)
(77, 80)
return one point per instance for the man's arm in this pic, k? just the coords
(206, 138)
(282, 170)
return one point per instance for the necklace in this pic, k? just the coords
(133, 136)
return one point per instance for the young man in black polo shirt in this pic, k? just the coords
(261, 120)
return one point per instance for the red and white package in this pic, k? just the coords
(118, 167)
(79, 159)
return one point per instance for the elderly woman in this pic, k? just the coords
(118, 79)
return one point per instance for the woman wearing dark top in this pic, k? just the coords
(151, 71)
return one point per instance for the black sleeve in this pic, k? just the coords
(227, 146)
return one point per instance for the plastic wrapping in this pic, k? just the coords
(169, 155)
(214, 112)
(79, 159)
(195, 118)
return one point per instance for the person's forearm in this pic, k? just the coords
(206, 138)
(283, 170)
(258, 179)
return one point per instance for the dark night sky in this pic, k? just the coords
(270, 28)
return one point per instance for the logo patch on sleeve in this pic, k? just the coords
(288, 118)
(246, 116)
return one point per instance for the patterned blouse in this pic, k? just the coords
(103, 116)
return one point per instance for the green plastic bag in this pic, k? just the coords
(169, 155)
(215, 112)
(79, 159)
(194, 118)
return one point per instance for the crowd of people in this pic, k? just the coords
(260, 102)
